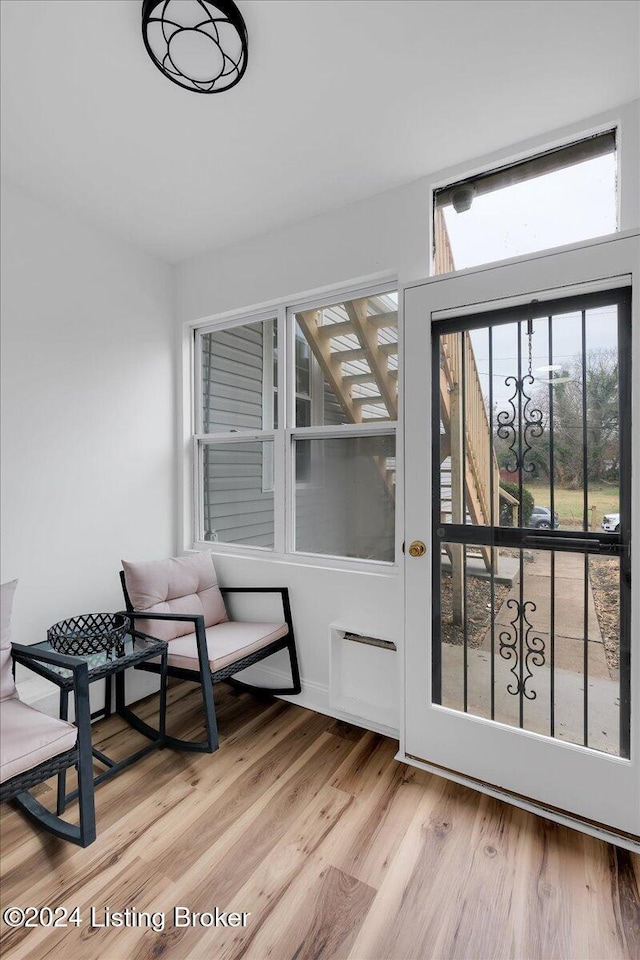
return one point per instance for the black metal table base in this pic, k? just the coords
(113, 767)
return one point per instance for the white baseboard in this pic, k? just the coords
(315, 696)
(39, 693)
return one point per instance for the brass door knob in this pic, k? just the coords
(417, 549)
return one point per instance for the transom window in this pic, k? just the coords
(295, 439)
(561, 196)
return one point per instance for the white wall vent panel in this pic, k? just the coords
(363, 676)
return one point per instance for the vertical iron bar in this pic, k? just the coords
(625, 448)
(493, 521)
(520, 524)
(463, 416)
(436, 522)
(520, 388)
(585, 524)
(465, 627)
(552, 497)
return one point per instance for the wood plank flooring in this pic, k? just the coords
(336, 850)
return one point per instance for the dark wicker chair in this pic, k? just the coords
(204, 646)
(35, 747)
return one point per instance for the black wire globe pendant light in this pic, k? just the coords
(201, 45)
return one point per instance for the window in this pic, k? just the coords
(347, 507)
(326, 411)
(346, 388)
(355, 346)
(558, 197)
(237, 412)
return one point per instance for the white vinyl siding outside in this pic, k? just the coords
(237, 488)
(232, 378)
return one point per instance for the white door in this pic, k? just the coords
(522, 632)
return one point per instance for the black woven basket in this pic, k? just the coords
(89, 633)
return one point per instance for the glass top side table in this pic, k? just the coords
(104, 665)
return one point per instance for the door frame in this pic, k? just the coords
(604, 263)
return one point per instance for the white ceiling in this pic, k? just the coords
(341, 99)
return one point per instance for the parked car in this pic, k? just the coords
(541, 519)
(611, 522)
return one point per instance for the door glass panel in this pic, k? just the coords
(537, 645)
(532, 578)
(529, 425)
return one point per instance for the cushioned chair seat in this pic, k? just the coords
(179, 600)
(226, 643)
(30, 737)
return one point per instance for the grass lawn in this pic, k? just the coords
(569, 503)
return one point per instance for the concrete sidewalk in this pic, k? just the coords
(604, 706)
(571, 626)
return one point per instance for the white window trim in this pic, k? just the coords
(387, 428)
(268, 406)
(284, 466)
(198, 438)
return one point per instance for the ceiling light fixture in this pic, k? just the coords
(201, 45)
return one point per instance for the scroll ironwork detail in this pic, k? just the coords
(530, 426)
(533, 648)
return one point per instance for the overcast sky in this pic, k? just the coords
(562, 207)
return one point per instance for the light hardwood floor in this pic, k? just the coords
(337, 851)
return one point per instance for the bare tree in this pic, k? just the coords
(562, 396)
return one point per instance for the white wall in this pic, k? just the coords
(385, 234)
(88, 401)
(362, 602)
(88, 413)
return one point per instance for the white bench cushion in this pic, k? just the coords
(28, 737)
(226, 643)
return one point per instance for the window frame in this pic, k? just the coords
(387, 429)
(502, 160)
(201, 439)
(283, 437)
(269, 394)
(328, 431)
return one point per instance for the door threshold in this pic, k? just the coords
(598, 830)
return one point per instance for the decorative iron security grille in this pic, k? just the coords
(532, 605)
